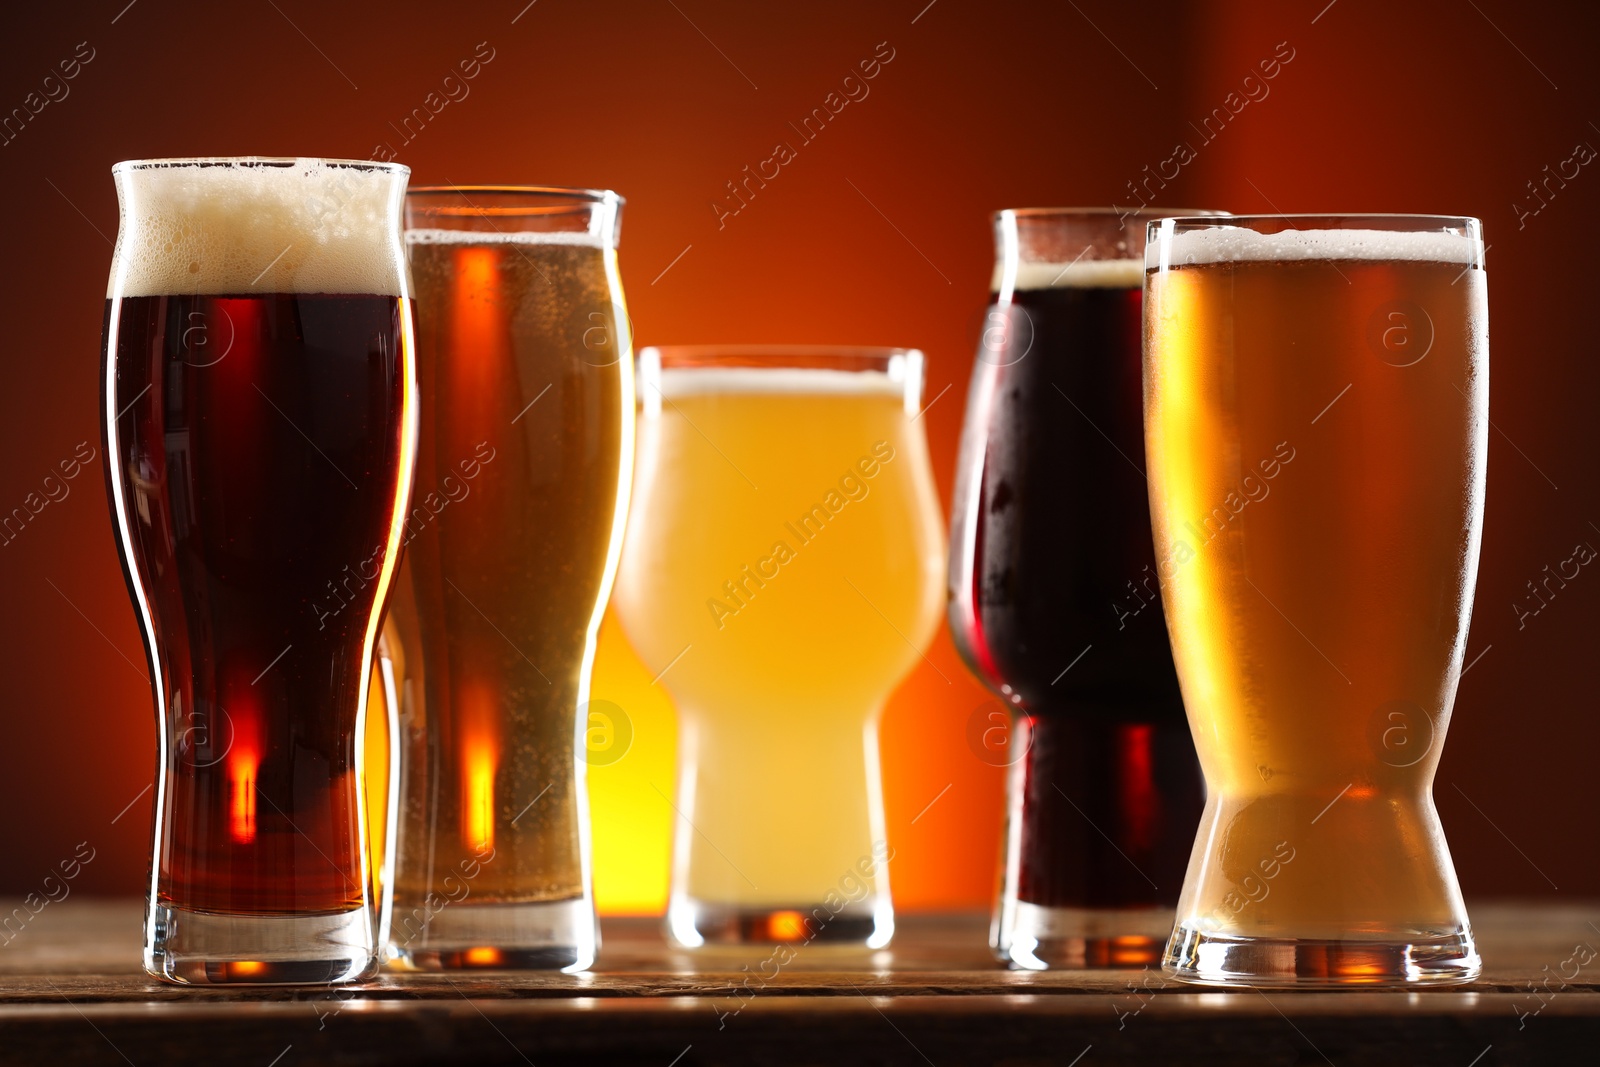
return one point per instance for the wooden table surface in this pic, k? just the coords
(71, 991)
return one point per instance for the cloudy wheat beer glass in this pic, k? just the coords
(523, 466)
(259, 426)
(781, 574)
(1055, 604)
(1316, 405)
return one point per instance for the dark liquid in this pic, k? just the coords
(1067, 621)
(258, 452)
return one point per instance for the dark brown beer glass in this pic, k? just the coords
(259, 419)
(1055, 603)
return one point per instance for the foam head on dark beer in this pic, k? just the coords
(270, 226)
(1078, 274)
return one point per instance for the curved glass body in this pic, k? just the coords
(1054, 602)
(523, 466)
(259, 420)
(781, 574)
(1316, 411)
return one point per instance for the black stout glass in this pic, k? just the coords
(1055, 603)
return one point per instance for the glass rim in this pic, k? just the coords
(122, 166)
(715, 352)
(1247, 221)
(905, 367)
(1105, 212)
(560, 197)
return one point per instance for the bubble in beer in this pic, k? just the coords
(260, 225)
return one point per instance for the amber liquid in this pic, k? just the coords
(258, 452)
(1316, 473)
(524, 446)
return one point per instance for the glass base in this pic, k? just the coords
(208, 948)
(1426, 959)
(545, 936)
(692, 923)
(1037, 938)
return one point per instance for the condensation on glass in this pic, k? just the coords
(1316, 403)
(524, 461)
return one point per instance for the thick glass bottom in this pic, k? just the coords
(544, 936)
(208, 948)
(1448, 958)
(1037, 938)
(692, 923)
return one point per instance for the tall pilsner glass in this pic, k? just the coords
(259, 420)
(1054, 600)
(781, 575)
(1316, 413)
(523, 467)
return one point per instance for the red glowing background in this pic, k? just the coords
(874, 231)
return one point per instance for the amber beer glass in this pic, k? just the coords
(259, 421)
(1316, 412)
(781, 575)
(523, 467)
(1054, 602)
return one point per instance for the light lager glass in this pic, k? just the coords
(782, 574)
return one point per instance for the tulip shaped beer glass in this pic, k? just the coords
(1054, 601)
(523, 466)
(259, 421)
(781, 575)
(1316, 417)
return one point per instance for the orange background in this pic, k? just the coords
(877, 233)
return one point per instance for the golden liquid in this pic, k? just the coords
(779, 690)
(525, 377)
(375, 779)
(1318, 618)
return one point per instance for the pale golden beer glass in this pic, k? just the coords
(1316, 405)
(782, 573)
(524, 459)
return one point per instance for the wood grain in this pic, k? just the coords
(71, 991)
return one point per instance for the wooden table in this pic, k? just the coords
(71, 991)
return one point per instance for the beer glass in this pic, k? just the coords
(1316, 417)
(259, 421)
(780, 576)
(523, 465)
(1053, 600)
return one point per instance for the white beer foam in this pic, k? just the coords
(1237, 244)
(577, 238)
(679, 382)
(1082, 274)
(313, 226)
